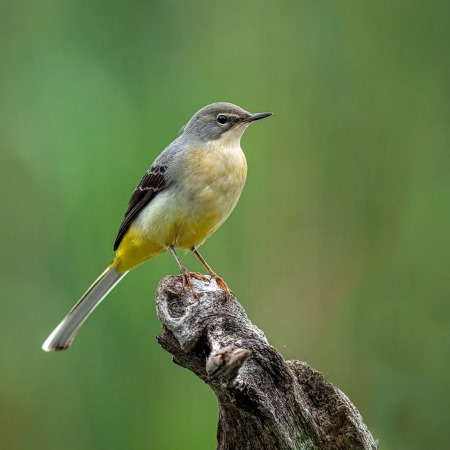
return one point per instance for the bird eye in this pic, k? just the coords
(221, 118)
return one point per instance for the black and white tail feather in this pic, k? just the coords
(65, 332)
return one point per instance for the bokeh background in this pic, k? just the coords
(338, 249)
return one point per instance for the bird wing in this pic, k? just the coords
(152, 182)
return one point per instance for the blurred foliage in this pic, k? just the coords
(339, 248)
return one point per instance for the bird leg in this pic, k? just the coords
(186, 275)
(220, 282)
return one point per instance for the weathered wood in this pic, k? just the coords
(265, 402)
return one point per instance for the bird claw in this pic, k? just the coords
(221, 283)
(186, 277)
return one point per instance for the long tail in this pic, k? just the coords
(65, 332)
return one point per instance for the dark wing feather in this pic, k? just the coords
(152, 182)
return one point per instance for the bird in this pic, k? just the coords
(186, 194)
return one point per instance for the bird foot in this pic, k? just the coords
(198, 276)
(186, 277)
(221, 283)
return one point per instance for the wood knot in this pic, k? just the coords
(226, 362)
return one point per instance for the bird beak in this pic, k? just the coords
(259, 116)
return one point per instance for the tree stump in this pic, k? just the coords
(264, 401)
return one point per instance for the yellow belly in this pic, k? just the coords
(134, 249)
(186, 213)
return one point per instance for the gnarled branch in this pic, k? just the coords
(265, 402)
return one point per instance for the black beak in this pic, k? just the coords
(259, 116)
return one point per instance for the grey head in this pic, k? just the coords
(220, 121)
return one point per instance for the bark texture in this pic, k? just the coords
(264, 401)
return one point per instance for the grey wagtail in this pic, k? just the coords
(188, 192)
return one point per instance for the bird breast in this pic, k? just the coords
(208, 191)
(215, 179)
(206, 185)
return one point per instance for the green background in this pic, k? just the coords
(339, 248)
